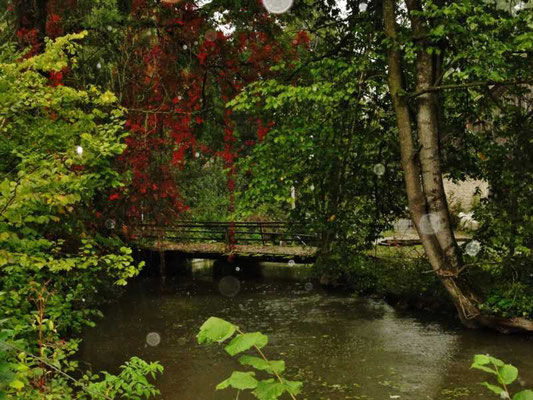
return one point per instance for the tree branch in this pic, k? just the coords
(466, 85)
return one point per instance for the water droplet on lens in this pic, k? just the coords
(211, 36)
(110, 224)
(291, 263)
(473, 248)
(153, 339)
(229, 286)
(98, 65)
(430, 224)
(182, 341)
(308, 286)
(401, 225)
(277, 6)
(237, 269)
(379, 169)
(79, 150)
(184, 47)
(109, 28)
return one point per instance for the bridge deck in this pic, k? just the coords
(259, 252)
(269, 241)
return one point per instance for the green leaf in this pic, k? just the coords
(481, 359)
(16, 384)
(269, 389)
(524, 395)
(246, 341)
(239, 380)
(277, 366)
(496, 361)
(293, 387)
(215, 330)
(508, 374)
(493, 388)
(483, 368)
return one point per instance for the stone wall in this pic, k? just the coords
(463, 194)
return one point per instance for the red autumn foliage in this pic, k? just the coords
(179, 79)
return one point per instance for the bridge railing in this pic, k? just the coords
(260, 233)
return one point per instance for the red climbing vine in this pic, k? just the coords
(182, 70)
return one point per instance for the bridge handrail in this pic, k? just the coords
(239, 231)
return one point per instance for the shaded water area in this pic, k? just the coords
(342, 347)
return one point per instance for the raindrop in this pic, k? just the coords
(473, 248)
(79, 150)
(277, 6)
(363, 7)
(182, 341)
(109, 28)
(184, 47)
(229, 286)
(291, 263)
(195, 42)
(98, 65)
(110, 224)
(153, 339)
(312, 187)
(430, 224)
(308, 286)
(237, 269)
(379, 169)
(197, 154)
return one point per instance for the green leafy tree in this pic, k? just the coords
(57, 148)
(446, 47)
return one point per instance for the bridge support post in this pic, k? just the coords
(162, 265)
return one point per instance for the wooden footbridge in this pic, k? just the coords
(262, 241)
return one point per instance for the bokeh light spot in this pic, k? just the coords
(430, 224)
(277, 6)
(473, 248)
(153, 339)
(401, 225)
(379, 169)
(211, 36)
(229, 286)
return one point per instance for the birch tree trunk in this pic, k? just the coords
(421, 162)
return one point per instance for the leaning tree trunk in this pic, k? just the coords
(421, 162)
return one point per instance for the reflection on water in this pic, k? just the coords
(340, 346)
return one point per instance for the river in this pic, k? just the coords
(341, 346)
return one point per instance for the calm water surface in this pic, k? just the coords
(340, 346)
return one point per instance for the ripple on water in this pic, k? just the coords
(340, 346)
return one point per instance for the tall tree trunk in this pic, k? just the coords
(423, 174)
(31, 14)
